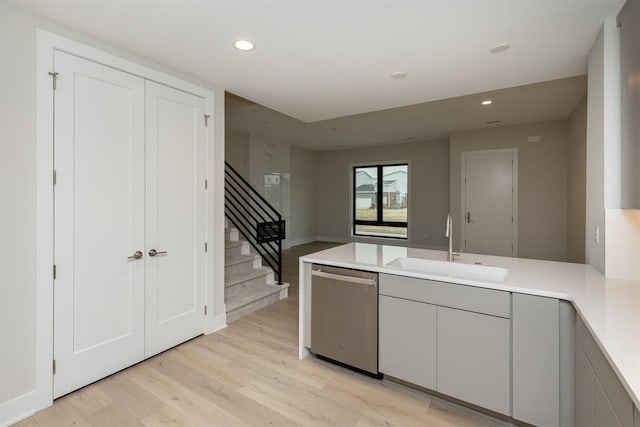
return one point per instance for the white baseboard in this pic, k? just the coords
(219, 322)
(333, 239)
(286, 244)
(17, 409)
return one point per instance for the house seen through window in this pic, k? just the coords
(380, 200)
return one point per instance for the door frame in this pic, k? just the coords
(46, 45)
(514, 197)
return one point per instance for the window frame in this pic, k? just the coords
(379, 202)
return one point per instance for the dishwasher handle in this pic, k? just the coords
(343, 278)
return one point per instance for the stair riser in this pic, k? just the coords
(233, 290)
(232, 235)
(243, 266)
(244, 249)
(250, 308)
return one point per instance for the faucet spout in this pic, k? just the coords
(449, 233)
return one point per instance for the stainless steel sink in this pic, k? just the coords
(451, 269)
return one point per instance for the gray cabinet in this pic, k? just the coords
(629, 23)
(584, 389)
(454, 339)
(606, 402)
(536, 368)
(407, 340)
(473, 358)
(603, 413)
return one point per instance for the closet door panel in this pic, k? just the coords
(175, 142)
(99, 222)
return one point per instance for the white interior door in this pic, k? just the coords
(99, 222)
(489, 202)
(175, 144)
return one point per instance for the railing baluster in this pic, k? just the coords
(258, 222)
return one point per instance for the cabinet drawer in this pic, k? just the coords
(470, 298)
(613, 388)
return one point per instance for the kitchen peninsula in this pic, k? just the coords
(593, 330)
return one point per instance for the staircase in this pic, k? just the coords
(248, 285)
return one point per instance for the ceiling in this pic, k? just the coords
(318, 60)
(539, 102)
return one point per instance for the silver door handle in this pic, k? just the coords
(136, 255)
(153, 252)
(343, 278)
(469, 217)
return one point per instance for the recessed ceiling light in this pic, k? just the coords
(398, 75)
(244, 45)
(487, 102)
(500, 47)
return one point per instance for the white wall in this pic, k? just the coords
(603, 140)
(17, 376)
(273, 158)
(254, 157)
(303, 196)
(236, 151)
(576, 182)
(542, 183)
(17, 173)
(428, 191)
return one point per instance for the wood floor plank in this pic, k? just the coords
(130, 396)
(196, 409)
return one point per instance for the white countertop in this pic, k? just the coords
(609, 307)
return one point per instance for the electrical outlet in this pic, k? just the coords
(597, 235)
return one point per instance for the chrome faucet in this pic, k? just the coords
(449, 233)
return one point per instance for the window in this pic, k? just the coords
(380, 200)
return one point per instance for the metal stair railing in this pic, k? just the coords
(255, 219)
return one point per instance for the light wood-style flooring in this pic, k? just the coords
(249, 374)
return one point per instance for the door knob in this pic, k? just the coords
(153, 252)
(136, 255)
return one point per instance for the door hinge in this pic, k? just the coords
(206, 184)
(54, 271)
(205, 310)
(206, 119)
(54, 366)
(55, 177)
(55, 79)
(206, 247)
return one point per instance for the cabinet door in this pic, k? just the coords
(603, 413)
(536, 359)
(629, 24)
(407, 338)
(584, 389)
(473, 358)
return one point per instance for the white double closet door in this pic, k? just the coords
(130, 170)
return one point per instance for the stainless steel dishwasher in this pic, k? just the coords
(344, 316)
